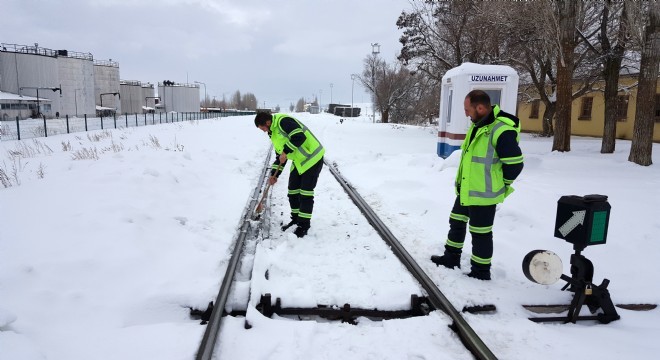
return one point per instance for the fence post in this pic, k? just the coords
(67, 124)
(18, 129)
(85, 122)
(126, 117)
(160, 118)
(114, 116)
(136, 120)
(101, 119)
(145, 119)
(45, 128)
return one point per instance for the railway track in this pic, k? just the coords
(240, 263)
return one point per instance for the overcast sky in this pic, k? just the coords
(279, 50)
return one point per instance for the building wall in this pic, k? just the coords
(594, 125)
(106, 80)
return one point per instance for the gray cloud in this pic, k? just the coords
(278, 50)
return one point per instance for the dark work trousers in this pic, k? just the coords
(301, 193)
(480, 219)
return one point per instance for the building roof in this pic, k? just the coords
(12, 96)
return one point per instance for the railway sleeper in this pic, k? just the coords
(419, 306)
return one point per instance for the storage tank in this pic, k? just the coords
(76, 73)
(24, 68)
(131, 96)
(135, 96)
(500, 82)
(179, 97)
(149, 96)
(106, 84)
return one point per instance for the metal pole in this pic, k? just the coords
(38, 110)
(18, 129)
(67, 123)
(45, 128)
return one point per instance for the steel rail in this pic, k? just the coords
(209, 340)
(467, 335)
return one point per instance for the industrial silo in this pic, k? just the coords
(131, 96)
(106, 84)
(76, 74)
(179, 97)
(150, 98)
(31, 70)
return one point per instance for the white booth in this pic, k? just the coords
(498, 81)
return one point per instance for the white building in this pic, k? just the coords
(498, 81)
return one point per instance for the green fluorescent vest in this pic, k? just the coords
(480, 171)
(303, 157)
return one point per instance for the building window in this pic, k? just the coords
(585, 110)
(657, 107)
(534, 114)
(622, 108)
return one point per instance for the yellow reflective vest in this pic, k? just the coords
(302, 157)
(479, 178)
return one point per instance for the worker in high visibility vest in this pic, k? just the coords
(491, 160)
(293, 141)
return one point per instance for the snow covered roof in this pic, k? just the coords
(12, 96)
(147, 108)
(103, 108)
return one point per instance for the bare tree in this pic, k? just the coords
(532, 52)
(642, 142)
(236, 100)
(249, 101)
(392, 86)
(300, 105)
(440, 35)
(612, 52)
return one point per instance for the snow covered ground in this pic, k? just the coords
(111, 235)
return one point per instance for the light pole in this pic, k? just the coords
(199, 82)
(331, 93)
(37, 88)
(353, 77)
(320, 102)
(375, 50)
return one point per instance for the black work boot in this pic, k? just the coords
(449, 260)
(301, 230)
(479, 271)
(294, 221)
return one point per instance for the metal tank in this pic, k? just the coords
(135, 96)
(106, 84)
(179, 97)
(27, 69)
(76, 73)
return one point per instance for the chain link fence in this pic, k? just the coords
(34, 128)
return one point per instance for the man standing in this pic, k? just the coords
(490, 161)
(293, 140)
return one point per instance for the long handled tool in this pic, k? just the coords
(262, 202)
